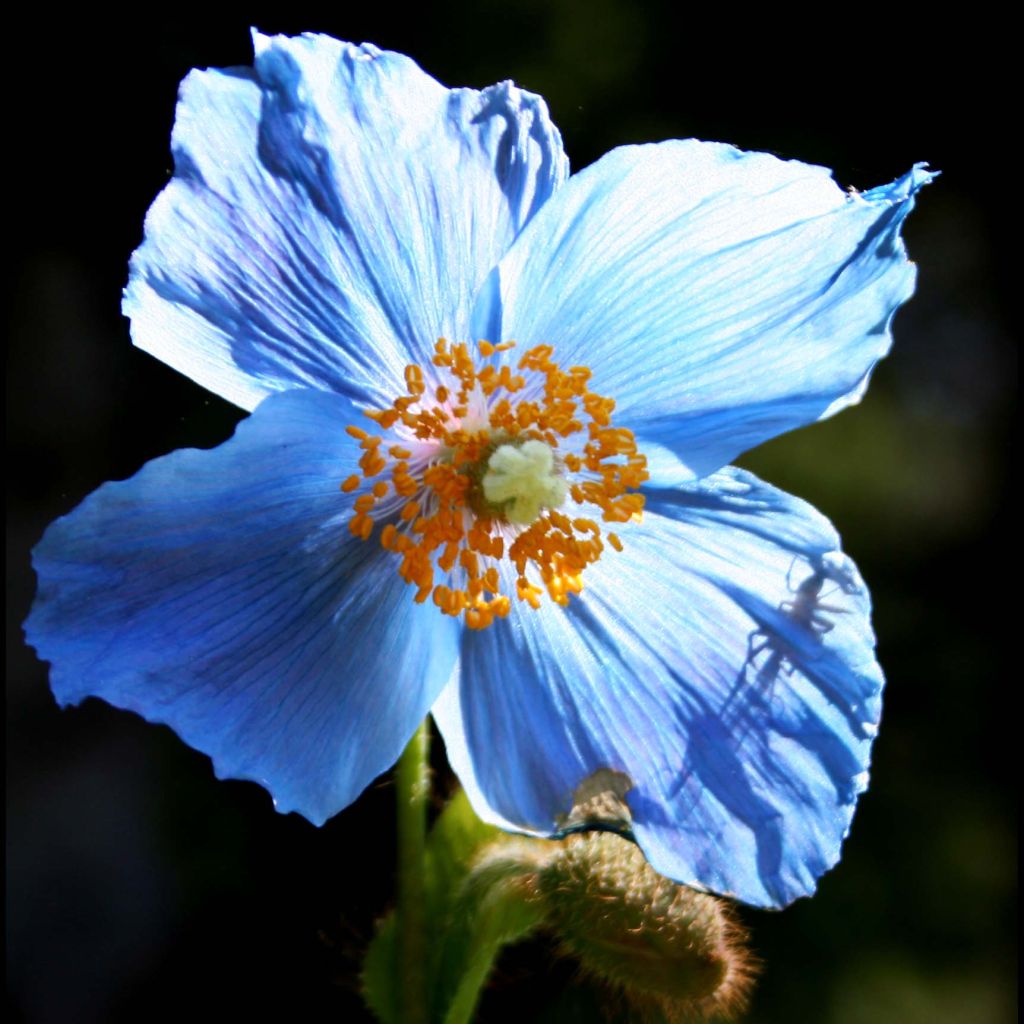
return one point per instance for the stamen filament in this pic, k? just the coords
(490, 493)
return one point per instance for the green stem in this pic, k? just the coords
(412, 781)
(471, 984)
(497, 905)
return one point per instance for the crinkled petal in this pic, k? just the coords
(720, 297)
(723, 662)
(220, 592)
(333, 211)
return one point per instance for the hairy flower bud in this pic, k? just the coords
(669, 948)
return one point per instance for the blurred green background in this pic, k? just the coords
(140, 888)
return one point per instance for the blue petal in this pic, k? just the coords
(220, 592)
(720, 297)
(333, 211)
(724, 662)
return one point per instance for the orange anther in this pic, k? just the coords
(361, 525)
(470, 563)
(444, 533)
(451, 553)
(560, 521)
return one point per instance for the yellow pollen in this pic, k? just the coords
(475, 478)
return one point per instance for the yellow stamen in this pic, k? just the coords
(486, 486)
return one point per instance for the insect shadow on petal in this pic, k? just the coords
(801, 621)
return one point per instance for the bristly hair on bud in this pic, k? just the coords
(674, 954)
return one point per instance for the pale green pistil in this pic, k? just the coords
(523, 480)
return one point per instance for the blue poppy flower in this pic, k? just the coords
(605, 620)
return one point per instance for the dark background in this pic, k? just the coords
(140, 888)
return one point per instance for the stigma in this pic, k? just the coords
(469, 480)
(521, 481)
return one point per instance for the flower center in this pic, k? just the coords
(521, 480)
(479, 469)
